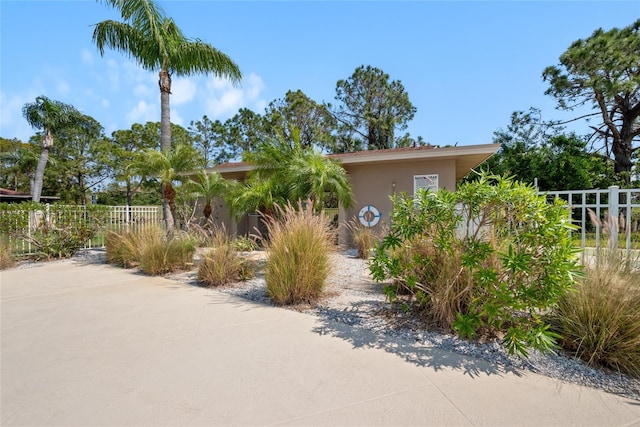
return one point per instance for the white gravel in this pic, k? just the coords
(353, 299)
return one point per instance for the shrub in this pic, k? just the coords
(6, 260)
(299, 247)
(52, 242)
(55, 231)
(489, 258)
(599, 320)
(222, 264)
(123, 248)
(244, 244)
(150, 250)
(364, 238)
(160, 255)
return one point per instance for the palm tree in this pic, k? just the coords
(148, 36)
(49, 116)
(208, 186)
(287, 172)
(170, 167)
(314, 176)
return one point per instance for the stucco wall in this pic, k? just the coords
(373, 184)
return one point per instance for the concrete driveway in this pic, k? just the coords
(88, 344)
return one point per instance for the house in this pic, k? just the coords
(377, 175)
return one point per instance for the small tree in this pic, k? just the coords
(207, 186)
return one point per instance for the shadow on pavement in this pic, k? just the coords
(414, 352)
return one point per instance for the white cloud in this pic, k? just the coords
(105, 103)
(182, 90)
(12, 123)
(143, 112)
(87, 57)
(222, 99)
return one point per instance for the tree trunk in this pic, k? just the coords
(622, 151)
(164, 83)
(129, 196)
(83, 191)
(165, 112)
(168, 194)
(47, 143)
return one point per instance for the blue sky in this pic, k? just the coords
(465, 65)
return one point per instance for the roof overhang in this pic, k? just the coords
(466, 158)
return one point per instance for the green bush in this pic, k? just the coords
(599, 320)
(244, 244)
(222, 264)
(55, 231)
(299, 247)
(6, 260)
(52, 242)
(490, 258)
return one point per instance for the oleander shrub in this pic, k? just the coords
(489, 259)
(299, 247)
(599, 320)
(6, 260)
(222, 264)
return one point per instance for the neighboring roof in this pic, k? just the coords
(7, 195)
(467, 157)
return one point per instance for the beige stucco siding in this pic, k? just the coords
(373, 184)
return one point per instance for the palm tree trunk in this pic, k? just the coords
(168, 194)
(47, 143)
(165, 139)
(37, 183)
(165, 112)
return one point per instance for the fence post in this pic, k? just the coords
(614, 199)
(127, 215)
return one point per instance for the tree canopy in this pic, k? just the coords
(370, 110)
(603, 73)
(50, 116)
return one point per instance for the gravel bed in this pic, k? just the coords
(356, 301)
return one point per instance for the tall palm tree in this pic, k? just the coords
(148, 36)
(49, 116)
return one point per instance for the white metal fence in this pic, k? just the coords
(613, 223)
(24, 225)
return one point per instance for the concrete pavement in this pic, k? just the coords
(90, 345)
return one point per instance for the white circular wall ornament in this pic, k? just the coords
(369, 216)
